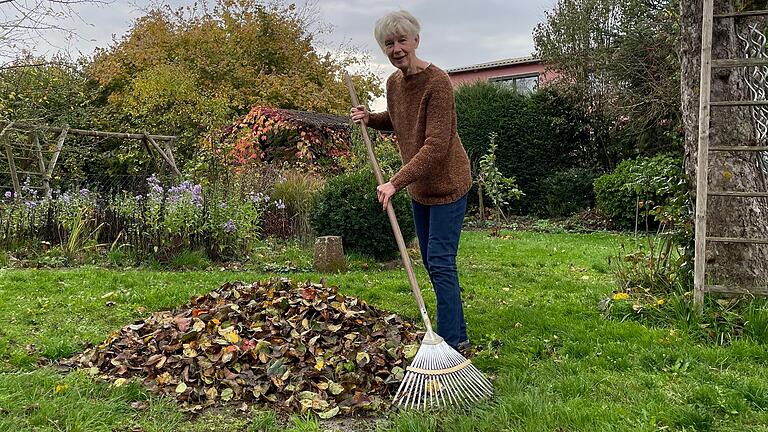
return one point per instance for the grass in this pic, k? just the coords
(531, 302)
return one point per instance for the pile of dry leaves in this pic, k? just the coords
(296, 347)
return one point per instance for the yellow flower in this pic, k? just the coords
(621, 296)
(660, 302)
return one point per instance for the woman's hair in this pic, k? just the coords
(395, 23)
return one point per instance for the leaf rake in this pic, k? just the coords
(439, 375)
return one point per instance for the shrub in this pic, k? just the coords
(639, 187)
(538, 135)
(270, 135)
(385, 147)
(567, 192)
(500, 189)
(348, 207)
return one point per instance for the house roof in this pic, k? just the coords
(495, 64)
(319, 120)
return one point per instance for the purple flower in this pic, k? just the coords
(84, 193)
(154, 184)
(65, 198)
(31, 204)
(197, 196)
(280, 205)
(229, 226)
(8, 194)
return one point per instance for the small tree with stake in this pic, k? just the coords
(501, 190)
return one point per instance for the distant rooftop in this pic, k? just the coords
(496, 63)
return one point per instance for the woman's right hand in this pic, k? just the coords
(359, 115)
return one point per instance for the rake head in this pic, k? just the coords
(439, 376)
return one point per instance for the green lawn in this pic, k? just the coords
(531, 300)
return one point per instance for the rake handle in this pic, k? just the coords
(391, 213)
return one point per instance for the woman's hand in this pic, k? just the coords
(385, 192)
(360, 115)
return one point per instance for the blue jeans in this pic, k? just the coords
(438, 228)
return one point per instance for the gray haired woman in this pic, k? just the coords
(421, 111)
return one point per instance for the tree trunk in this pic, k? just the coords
(729, 264)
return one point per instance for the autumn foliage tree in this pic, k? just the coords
(191, 70)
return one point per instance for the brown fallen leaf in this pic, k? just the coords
(292, 346)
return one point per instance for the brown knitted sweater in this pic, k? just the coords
(421, 111)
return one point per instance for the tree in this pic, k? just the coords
(620, 58)
(726, 216)
(39, 90)
(188, 71)
(24, 23)
(502, 190)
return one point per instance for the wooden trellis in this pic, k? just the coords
(758, 104)
(45, 168)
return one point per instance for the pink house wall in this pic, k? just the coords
(516, 70)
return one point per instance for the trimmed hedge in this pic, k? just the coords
(567, 192)
(348, 207)
(538, 135)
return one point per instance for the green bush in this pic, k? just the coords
(538, 135)
(567, 192)
(647, 183)
(348, 207)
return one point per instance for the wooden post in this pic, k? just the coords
(9, 155)
(168, 159)
(700, 259)
(12, 168)
(83, 132)
(34, 141)
(480, 201)
(59, 145)
(169, 152)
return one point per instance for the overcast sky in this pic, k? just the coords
(454, 32)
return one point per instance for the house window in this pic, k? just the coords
(523, 84)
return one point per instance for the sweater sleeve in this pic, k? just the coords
(380, 121)
(437, 137)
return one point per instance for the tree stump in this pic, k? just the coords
(329, 255)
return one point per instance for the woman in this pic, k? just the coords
(421, 112)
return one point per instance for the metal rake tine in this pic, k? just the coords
(461, 376)
(482, 379)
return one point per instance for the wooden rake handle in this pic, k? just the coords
(391, 213)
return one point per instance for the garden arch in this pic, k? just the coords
(39, 161)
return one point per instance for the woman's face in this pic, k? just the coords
(401, 50)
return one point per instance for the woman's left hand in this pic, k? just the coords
(384, 193)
